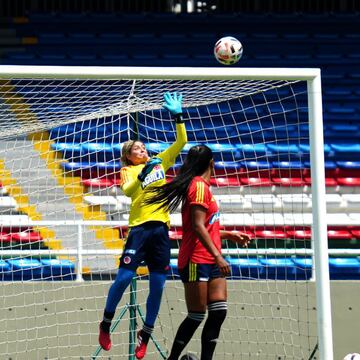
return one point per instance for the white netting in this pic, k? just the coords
(59, 164)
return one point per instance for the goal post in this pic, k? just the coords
(88, 112)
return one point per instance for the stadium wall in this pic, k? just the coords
(69, 328)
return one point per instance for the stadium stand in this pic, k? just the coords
(66, 39)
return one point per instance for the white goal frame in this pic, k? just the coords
(313, 79)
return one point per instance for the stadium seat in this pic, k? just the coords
(303, 268)
(346, 148)
(25, 269)
(348, 181)
(355, 233)
(98, 182)
(304, 234)
(288, 181)
(4, 270)
(245, 268)
(278, 268)
(173, 270)
(56, 269)
(270, 234)
(227, 167)
(256, 181)
(295, 202)
(339, 234)
(26, 236)
(225, 182)
(344, 268)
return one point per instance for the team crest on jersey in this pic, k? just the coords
(157, 174)
(214, 218)
(127, 260)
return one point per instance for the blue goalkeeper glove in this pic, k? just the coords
(173, 104)
(148, 167)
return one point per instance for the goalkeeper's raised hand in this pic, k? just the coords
(148, 167)
(173, 104)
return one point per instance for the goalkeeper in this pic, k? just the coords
(148, 237)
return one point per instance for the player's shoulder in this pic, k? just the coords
(199, 183)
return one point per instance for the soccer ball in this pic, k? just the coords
(189, 356)
(228, 50)
(353, 356)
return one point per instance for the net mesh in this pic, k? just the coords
(60, 145)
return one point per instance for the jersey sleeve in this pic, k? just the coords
(199, 194)
(128, 181)
(169, 155)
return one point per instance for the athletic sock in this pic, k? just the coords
(106, 321)
(185, 332)
(210, 334)
(146, 332)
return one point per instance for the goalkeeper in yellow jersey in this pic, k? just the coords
(148, 237)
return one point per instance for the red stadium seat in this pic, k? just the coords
(329, 181)
(339, 234)
(288, 181)
(225, 181)
(271, 234)
(26, 236)
(256, 181)
(356, 233)
(299, 234)
(4, 237)
(98, 182)
(348, 181)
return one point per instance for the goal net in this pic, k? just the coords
(63, 217)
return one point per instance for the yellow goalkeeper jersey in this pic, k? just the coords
(134, 188)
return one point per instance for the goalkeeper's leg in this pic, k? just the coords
(157, 283)
(116, 291)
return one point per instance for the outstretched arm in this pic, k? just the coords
(173, 103)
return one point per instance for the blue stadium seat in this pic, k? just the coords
(352, 165)
(245, 268)
(227, 167)
(346, 148)
(303, 268)
(25, 269)
(251, 150)
(288, 165)
(280, 268)
(56, 269)
(4, 270)
(257, 165)
(329, 165)
(283, 148)
(344, 268)
(173, 271)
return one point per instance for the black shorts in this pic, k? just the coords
(147, 242)
(199, 272)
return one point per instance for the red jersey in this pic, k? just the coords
(191, 249)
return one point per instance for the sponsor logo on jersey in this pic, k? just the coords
(130, 251)
(214, 218)
(156, 175)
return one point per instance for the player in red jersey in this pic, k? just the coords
(201, 265)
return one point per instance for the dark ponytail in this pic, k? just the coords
(172, 194)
